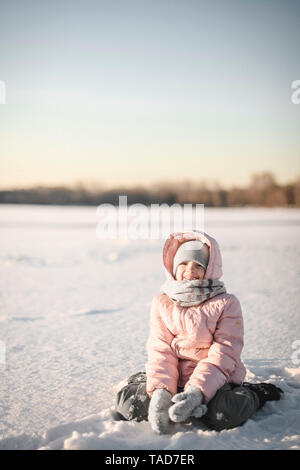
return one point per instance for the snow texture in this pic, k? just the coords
(74, 320)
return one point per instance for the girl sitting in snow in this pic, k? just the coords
(194, 367)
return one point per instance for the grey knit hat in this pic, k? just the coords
(193, 250)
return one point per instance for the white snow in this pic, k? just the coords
(74, 313)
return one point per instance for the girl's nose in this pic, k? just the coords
(189, 268)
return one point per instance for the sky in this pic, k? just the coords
(133, 92)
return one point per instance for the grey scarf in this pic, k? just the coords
(192, 292)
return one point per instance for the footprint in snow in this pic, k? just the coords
(26, 319)
(96, 312)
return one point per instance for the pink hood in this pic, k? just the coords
(214, 268)
(199, 345)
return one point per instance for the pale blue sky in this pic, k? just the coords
(127, 91)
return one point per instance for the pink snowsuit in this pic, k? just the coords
(199, 345)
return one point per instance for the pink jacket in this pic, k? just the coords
(198, 345)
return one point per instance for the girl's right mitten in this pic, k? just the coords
(158, 415)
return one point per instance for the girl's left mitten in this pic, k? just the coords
(186, 404)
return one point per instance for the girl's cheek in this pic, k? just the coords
(179, 275)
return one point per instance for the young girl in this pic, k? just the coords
(194, 367)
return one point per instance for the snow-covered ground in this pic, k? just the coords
(74, 313)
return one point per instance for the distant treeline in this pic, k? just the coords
(263, 191)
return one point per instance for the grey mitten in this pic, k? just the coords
(186, 404)
(159, 406)
(199, 411)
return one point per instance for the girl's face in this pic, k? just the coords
(189, 270)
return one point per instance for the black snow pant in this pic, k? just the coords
(231, 406)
